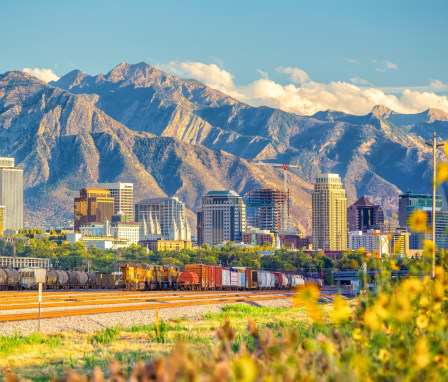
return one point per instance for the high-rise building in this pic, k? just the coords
(2, 219)
(364, 215)
(11, 193)
(162, 218)
(93, 206)
(329, 217)
(415, 201)
(223, 217)
(123, 194)
(268, 209)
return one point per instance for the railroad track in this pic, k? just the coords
(126, 308)
(149, 298)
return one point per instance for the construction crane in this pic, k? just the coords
(284, 168)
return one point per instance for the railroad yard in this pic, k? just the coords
(86, 311)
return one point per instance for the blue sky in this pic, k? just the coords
(386, 45)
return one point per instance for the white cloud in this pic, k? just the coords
(352, 61)
(360, 81)
(296, 75)
(438, 85)
(43, 74)
(307, 96)
(390, 65)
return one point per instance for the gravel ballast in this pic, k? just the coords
(94, 322)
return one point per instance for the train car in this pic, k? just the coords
(218, 277)
(30, 278)
(91, 280)
(9, 278)
(286, 282)
(202, 271)
(168, 277)
(189, 281)
(225, 271)
(233, 278)
(63, 280)
(253, 279)
(135, 277)
(51, 280)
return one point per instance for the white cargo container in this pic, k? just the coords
(233, 278)
(285, 280)
(226, 277)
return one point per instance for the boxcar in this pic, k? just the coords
(233, 278)
(30, 278)
(225, 277)
(202, 271)
(218, 277)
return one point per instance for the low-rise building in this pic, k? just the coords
(371, 241)
(258, 237)
(165, 245)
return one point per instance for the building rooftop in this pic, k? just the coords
(362, 201)
(222, 193)
(158, 200)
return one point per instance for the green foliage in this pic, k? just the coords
(106, 336)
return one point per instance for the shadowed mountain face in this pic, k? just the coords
(63, 142)
(379, 154)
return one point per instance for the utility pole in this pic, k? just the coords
(434, 146)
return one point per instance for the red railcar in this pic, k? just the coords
(248, 278)
(202, 271)
(211, 277)
(278, 280)
(218, 277)
(189, 280)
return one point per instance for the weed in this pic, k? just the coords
(106, 336)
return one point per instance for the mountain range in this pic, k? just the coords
(174, 136)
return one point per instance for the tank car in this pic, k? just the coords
(9, 278)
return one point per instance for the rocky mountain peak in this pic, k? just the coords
(382, 111)
(71, 79)
(436, 115)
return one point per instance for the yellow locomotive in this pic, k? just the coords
(144, 276)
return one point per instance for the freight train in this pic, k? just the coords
(29, 278)
(207, 277)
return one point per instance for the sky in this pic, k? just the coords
(300, 56)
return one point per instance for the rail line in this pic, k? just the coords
(126, 308)
(70, 302)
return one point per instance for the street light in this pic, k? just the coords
(434, 146)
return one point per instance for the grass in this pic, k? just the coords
(43, 357)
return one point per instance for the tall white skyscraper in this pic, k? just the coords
(11, 193)
(162, 218)
(329, 214)
(222, 217)
(123, 194)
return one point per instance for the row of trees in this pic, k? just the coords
(78, 256)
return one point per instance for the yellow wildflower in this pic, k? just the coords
(307, 297)
(422, 321)
(403, 309)
(439, 272)
(442, 172)
(357, 334)
(422, 355)
(372, 321)
(429, 249)
(244, 369)
(438, 290)
(439, 360)
(383, 355)
(411, 287)
(341, 311)
(393, 265)
(417, 221)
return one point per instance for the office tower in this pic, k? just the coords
(329, 215)
(11, 194)
(123, 194)
(409, 202)
(93, 206)
(364, 215)
(162, 218)
(2, 219)
(199, 227)
(223, 217)
(371, 240)
(268, 209)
